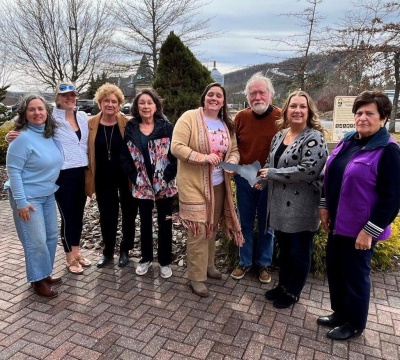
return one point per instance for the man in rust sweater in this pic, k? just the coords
(255, 128)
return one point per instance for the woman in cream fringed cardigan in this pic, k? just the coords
(201, 139)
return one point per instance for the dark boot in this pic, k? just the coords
(104, 260)
(44, 289)
(274, 293)
(123, 259)
(53, 281)
(333, 320)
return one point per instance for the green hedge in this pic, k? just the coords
(385, 254)
(4, 129)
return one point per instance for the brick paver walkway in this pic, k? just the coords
(113, 314)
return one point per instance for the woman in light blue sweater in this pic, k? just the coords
(33, 165)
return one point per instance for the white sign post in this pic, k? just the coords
(343, 118)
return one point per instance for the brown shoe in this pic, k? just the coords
(53, 281)
(264, 275)
(213, 273)
(44, 289)
(239, 272)
(199, 288)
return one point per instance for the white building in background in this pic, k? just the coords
(216, 75)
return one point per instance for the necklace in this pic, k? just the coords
(108, 144)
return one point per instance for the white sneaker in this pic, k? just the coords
(165, 272)
(143, 268)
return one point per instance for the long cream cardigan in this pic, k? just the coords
(190, 144)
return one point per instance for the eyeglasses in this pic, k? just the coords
(64, 87)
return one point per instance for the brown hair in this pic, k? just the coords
(223, 113)
(21, 123)
(377, 97)
(156, 100)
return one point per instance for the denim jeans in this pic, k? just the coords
(38, 236)
(249, 203)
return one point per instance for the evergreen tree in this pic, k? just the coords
(180, 78)
(3, 109)
(95, 84)
(3, 92)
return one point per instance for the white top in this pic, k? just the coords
(74, 151)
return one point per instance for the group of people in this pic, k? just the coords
(132, 165)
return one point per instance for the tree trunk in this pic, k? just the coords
(396, 63)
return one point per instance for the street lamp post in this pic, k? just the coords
(72, 52)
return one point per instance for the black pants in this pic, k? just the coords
(294, 259)
(109, 195)
(164, 209)
(348, 271)
(71, 199)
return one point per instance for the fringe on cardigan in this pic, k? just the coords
(194, 227)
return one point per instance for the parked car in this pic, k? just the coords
(126, 108)
(14, 107)
(96, 109)
(3, 110)
(86, 105)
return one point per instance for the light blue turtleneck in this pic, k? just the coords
(33, 165)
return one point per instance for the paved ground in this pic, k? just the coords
(114, 314)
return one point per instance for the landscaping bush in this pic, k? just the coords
(4, 129)
(385, 255)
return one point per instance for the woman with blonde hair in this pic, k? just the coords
(296, 159)
(105, 177)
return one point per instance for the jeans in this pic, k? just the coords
(249, 202)
(38, 236)
(295, 252)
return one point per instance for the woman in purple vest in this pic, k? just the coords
(361, 199)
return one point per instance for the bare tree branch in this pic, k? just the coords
(54, 40)
(303, 43)
(147, 23)
(369, 41)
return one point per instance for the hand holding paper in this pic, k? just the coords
(249, 172)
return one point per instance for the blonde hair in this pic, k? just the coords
(107, 89)
(313, 121)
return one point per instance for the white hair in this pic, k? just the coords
(258, 76)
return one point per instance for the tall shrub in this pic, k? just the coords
(180, 78)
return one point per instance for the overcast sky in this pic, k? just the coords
(243, 22)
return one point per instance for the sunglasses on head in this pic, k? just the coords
(64, 87)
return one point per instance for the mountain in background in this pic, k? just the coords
(320, 71)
